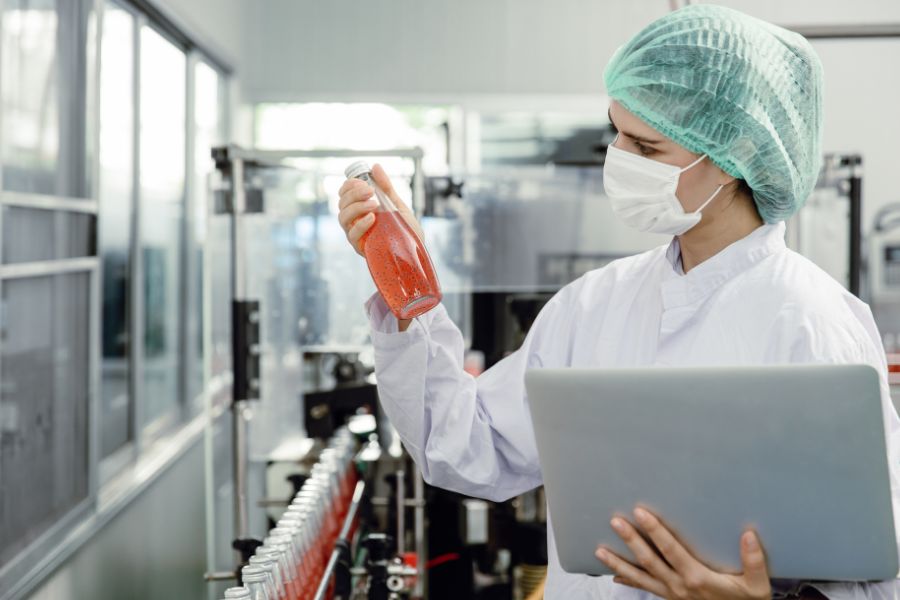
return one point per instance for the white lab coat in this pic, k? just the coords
(756, 302)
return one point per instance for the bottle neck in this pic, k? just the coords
(385, 203)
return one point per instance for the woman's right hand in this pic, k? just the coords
(358, 204)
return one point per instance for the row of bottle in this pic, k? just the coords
(291, 562)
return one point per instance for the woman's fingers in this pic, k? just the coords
(681, 575)
(671, 549)
(646, 557)
(625, 581)
(359, 229)
(352, 191)
(356, 199)
(753, 558)
(630, 573)
(354, 211)
(384, 182)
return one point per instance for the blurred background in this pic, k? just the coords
(170, 167)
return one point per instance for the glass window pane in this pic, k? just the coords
(359, 126)
(207, 133)
(218, 303)
(44, 377)
(162, 176)
(31, 234)
(44, 97)
(116, 184)
(30, 96)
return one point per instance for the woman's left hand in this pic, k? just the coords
(671, 571)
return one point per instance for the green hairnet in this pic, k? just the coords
(744, 92)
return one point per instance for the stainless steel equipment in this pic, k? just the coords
(297, 289)
(828, 229)
(884, 275)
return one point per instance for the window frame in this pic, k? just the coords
(115, 462)
(115, 480)
(13, 572)
(148, 433)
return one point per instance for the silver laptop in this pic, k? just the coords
(797, 452)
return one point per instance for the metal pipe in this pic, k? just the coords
(239, 436)
(238, 207)
(354, 508)
(419, 531)
(853, 31)
(47, 202)
(855, 197)
(239, 405)
(269, 502)
(236, 153)
(381, 501)
(56, 266)
(322, 590)
(401, 512)
(209, 391)
(418, 188)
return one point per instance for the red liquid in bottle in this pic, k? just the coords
(400, 266)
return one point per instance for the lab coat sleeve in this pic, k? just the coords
(469, 435)
(829, 339)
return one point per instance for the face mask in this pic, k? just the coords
(642, 192)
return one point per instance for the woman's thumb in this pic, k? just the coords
(753, 559)
(384, 182)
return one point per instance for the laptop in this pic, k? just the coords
(796, 452)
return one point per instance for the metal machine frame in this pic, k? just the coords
(231, 161)
(843, 172)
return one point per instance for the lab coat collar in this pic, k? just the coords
(681, 289)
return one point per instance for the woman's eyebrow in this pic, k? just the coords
(637, 138)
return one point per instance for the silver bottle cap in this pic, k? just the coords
(356, 169)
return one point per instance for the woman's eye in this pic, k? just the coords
(644, 149)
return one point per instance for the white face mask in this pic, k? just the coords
(642, 192)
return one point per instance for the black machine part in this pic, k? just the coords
(378, 546)
(245, 348)
(247, 548)
(326, 410)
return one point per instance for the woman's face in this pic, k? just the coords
(695, 185)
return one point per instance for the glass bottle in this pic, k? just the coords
(280, 540)
(259, 583)
(397, 259)
(273, 567)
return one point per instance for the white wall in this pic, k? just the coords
(344, 48)
(505, 50)
(862, 112)
(214, 23)
(303, 48)
(154, 549)
(217, 25)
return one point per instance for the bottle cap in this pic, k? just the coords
(265, 562)
(253, 574)
(356, 169)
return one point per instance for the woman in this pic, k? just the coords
(719, 119)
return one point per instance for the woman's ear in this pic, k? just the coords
(724, 179)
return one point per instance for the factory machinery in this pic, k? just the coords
(307, 481)
(326, 544)
(298, 407)
(333, 524)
